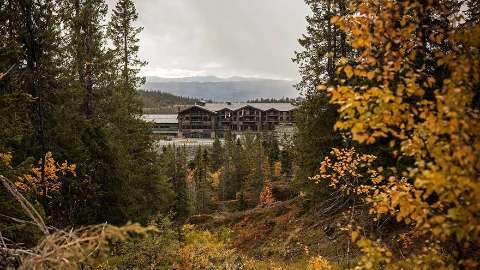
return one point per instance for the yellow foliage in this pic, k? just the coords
(319, 263)
(266, 196)
(46, 180)
(190, 179)
(344, 168)
(6, 158)
(203, 250)
(277, 169)
(215, 176)
(429, 117)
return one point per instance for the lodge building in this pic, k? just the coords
(209, 120)
(163, 125)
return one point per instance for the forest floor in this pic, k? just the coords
(282, 232)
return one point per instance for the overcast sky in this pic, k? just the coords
(221, 37)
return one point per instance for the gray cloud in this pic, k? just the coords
(221, 37)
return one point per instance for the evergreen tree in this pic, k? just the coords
(202, 181)
(314, 140)
(64, 95)
(234, 169)
(173, 163)
(271, 146)
(216, 156)
(29, 83)
(82, 138)
(124, 35)
(253, 156)
(287, 156)
(131, 135)
(323, 45)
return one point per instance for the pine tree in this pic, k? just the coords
(234, 169)
(253, 156)
(173, 163)
(271, 146)
(60, 92)
(286, 160)
(124, 35)
(31, 77)
(216, 156)
(323, 45)
(83, 134)
(202, 181)
(100, 129)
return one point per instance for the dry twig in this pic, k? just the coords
(65, 249)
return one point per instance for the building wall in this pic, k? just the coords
(199, 123)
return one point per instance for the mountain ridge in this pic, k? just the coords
(210, 78)
(214, 88)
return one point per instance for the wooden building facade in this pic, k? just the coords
(209, 120)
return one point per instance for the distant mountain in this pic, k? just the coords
(163, 103)
(154, 79)
(223, 89)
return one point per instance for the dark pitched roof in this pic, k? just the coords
(215, 107)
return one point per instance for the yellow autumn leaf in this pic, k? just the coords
(370, 75)
(322, 87)
(348, 71)
(354, 236)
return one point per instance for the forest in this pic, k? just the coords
(382, 173)
(157, 102)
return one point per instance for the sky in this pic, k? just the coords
(255, 38)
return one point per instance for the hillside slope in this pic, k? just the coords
(155, 102)
(285, 234)
(235, 89)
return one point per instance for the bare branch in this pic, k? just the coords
(26, 205)
(2, 75)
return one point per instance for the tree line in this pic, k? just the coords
(68, 92)
(230, 175)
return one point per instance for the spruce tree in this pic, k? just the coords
(102, 131)
(30, 80)
(234, 169)
(83, 137)
(183, 204)
(253, 157)
(124, 35)
(202, 181)
(323, 45)
(271, 147)
(216, 156)
(29, 37)
(134, 146)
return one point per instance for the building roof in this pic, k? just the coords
(215, 107)
(161, 118)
